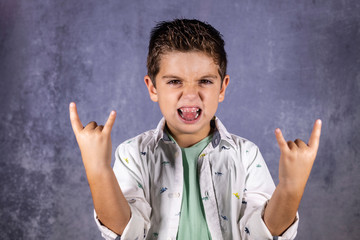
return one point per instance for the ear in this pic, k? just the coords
(225, 83)
(151, 88)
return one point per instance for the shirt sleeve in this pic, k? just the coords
(259, 187)
(128, 171)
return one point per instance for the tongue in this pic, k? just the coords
(189, 116)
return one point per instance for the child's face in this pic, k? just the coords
(188, 90)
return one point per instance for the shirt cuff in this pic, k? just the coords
(105, 232)
(131, 231)
(257, 228)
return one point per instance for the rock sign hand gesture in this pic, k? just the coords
(95, 146)
(296, 161)
(297, 157)
(94, 140)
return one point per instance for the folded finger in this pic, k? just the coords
(291, 145)
(300, 143)
(99, 128)
(91, 125)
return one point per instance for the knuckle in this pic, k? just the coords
(91, 124)
(302, 151)
(98, 133)
(296, 153)
(87, 134)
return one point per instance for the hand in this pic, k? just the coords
(94, 141)
(297, 159)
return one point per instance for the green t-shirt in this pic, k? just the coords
(192, 217)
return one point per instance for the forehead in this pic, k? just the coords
(193, 63)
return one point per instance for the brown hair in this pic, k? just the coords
(185, 35)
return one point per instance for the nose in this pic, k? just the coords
(190, 92)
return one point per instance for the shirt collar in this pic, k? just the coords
(160, 133)
(220, 133)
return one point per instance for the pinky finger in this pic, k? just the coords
(315, 135)
(74, 118)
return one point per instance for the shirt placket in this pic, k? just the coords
(208, 194)
(176, 195)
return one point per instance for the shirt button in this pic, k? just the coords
(174, 195)
(206, 194)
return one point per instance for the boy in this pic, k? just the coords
(190, 178)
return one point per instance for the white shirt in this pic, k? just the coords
(235, 185)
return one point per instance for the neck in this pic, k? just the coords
(188, 140)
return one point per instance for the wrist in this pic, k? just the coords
(94, 164)
(96, 172)
(291, 189)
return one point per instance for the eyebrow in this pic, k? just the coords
(211, 76)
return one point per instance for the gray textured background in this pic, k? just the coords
(289, 63)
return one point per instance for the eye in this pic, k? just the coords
(205, 81)
(174, 82)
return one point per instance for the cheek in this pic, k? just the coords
(212, 103)
(167, 102)
(213, 97)
(167, 98)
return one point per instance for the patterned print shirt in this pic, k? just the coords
(235, 185)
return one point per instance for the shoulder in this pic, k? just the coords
(246, 149)
(243, 143)
(239, 143)
(139, 143)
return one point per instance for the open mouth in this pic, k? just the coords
(189, 114)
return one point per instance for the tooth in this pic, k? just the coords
(186, 110)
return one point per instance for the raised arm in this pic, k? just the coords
(296, 161)
(95, 146)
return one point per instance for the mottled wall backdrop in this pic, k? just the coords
(289, 63)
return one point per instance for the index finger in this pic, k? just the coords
(315, 135)
(110, 122)
(74, 118)
(281, 140)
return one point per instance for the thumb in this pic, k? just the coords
(109, 123)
